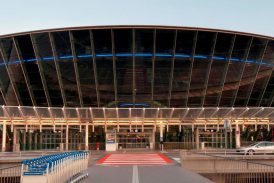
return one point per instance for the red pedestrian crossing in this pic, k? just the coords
(135, 159)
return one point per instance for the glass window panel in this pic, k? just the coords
(98, 113)
(259, 86)
(235, 69)
(250, 71)
(185, 42)
(124, 75)
(198, 79)
(137, 113)
(71, 113)
(85, 66)
(102, 41)
(104, 67)
(28, 111)
(123, 40)
(42, 43)
(180, 83)
(144, 41)
(57, 112)
(43, 112)
(214, 86)
(217, 72)
(123, 113)
(85, 114)
(32, 70)
(13, 111)
(67, 70)
(124, 65)
(151, 113)
(204, 43)
(165, 41)
(201, 66)
(161, 80)
(6, 85)
(111, 113)
(268, 94)
(143, 78)
(269, 54)
(2, 101)
(15, 70)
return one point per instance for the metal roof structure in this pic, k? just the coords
(160, 66)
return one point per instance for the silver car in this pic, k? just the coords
(258, 148)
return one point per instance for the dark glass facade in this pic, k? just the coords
(157, 66)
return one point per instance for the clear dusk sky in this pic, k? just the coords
(254, 16)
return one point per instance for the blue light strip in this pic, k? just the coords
(161, 55)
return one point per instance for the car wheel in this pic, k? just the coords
(250, 152)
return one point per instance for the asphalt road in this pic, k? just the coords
(171, 173)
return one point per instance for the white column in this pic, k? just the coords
(86, 137)
(197, 138)
(161, 137)
(237, 136)
(14, 140)
(67, 137)
(30, 140)
(4, 136)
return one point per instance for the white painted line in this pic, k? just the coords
(135, 174)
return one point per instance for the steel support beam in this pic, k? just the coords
(226, 69)
(191, 66)
(254, 78)
(209, 69)
(172, 68)
(55, 56)
(40, 68)
(114, 67)
(32, 97)
(153, 65)
(75, 60)
(94, 68)
(242, 72)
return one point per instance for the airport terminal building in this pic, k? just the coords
(117, 87)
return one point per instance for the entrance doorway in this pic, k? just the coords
(133, 140)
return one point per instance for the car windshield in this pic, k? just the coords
(253, 144)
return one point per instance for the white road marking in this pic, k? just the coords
(135, 174)
(177, 159)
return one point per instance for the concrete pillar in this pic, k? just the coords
(4, 136)
(24, 140)
(237, 136)
(67, 137)
(197, 138)
(86, 137)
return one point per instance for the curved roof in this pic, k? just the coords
(156, 66)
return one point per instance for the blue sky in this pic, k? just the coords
(255, 16)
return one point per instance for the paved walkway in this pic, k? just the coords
(136, 173)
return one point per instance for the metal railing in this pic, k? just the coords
(176, 145)
(227, 169)
(10, 174)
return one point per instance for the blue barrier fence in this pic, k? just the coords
(61, 167)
